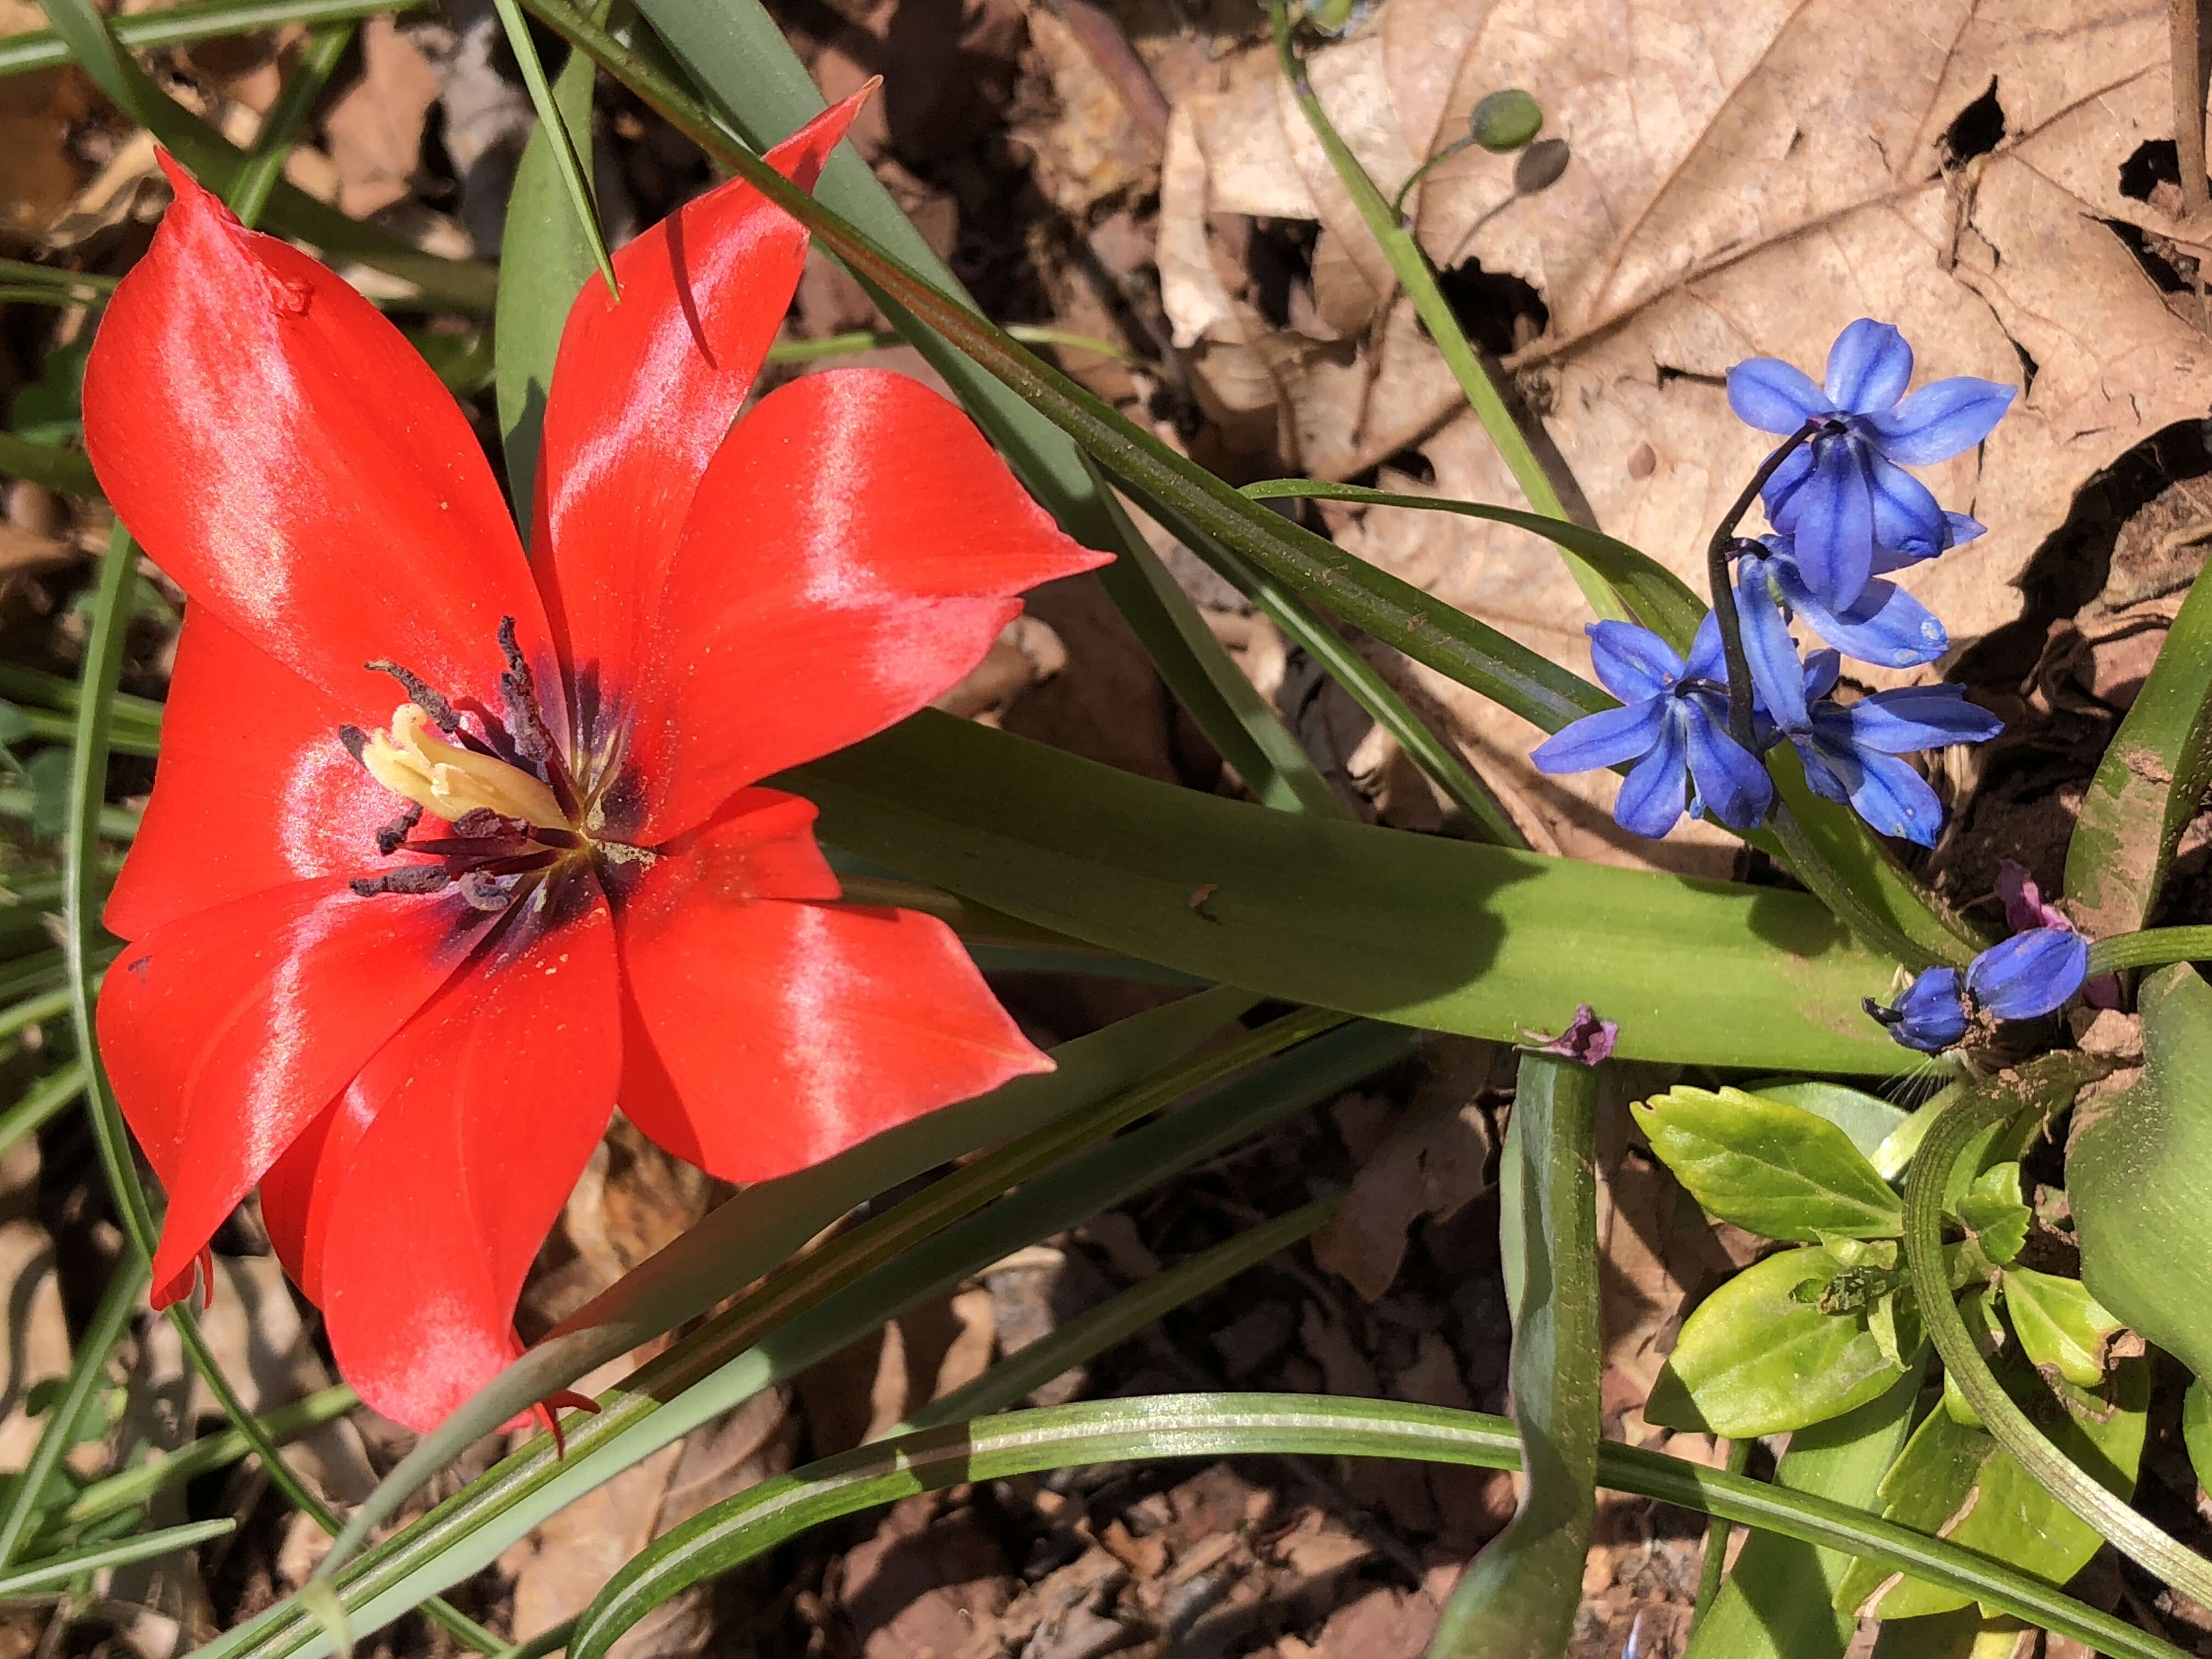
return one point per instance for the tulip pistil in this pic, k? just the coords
(414, 763)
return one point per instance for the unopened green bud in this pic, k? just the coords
(1505, 121)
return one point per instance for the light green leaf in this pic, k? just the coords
(1770, 1167)
(1990, 1210)
(2196, 1430)
(1768, 1608)
(1956, 1483)
(2060, 1325)
(1868, 1119)
(1756, 1358)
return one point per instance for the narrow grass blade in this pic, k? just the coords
(1231, 1425)
(192, 22)
(56, 1571)
(48, 1098)
(1518, 1599)
(119, 1493)
(1091, 1333)
(252, 186)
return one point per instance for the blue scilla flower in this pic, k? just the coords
(2032, 974)
(1887, 625)
(1672, 723)
(1845, 492)
(1850, 750)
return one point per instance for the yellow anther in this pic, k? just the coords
(413, 761)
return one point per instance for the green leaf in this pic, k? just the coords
(1776, 1604)
(2138, 1165)
(2149, 784)
(1868, 1119)
(760, 1519)
(1770, 1167)
(2196, 1430)
(1422, 931)
(1758, 1357)
(1957, 1483)
(2059, 1324)
(1993, 1214)
(48, 774)
(14, 724)
(1517, 1598)
(545, 262)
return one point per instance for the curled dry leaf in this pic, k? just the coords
(1984, 178)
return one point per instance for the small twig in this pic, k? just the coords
(2182, 32)
(1717, 577)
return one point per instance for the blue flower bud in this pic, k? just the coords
(1932, 1015)
(2031, 974)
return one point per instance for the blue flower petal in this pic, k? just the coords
(1822, 774)
(1869, 365)
(1708, 661)
(1907, 515)
(1652, 799)
(1964, 529)
(1929, 1016)
(1887, 625)
(1896, 801)
(1776, 673)
(2031, 974)
(1822, 670)
(1940, 420)
(1732, 784)
(1771, 395)
(1604, 739)
(1918, 717)
(1633, 663)
(1787, 480)
(1830, 524)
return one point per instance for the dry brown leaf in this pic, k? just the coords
(1732, 191)
(1432, 1161)
(374, 129)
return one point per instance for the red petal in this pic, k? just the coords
(644, 390)
(854, 549)
(457, 1146)
(227, 1031)
(254, 790)
(777, 1034)
(291, 461)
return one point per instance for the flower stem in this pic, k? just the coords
(2153, 947)
(1723, 591)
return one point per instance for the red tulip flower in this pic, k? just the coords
(397, 966)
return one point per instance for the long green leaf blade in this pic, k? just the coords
(1228, 1425)
(1445, 934)
(1517, 1600)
